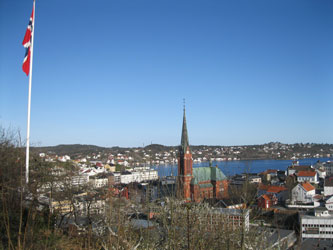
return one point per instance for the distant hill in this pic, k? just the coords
(71, 149)
(273, 150)
(158, 147)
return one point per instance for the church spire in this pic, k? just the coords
(185, 164)
(184, 141)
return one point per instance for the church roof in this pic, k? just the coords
(206, 185)
(184, 141)
(207, 174)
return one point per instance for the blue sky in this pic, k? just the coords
(115, 72)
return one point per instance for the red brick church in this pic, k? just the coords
(197, 184)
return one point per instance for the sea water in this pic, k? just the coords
(230, 168)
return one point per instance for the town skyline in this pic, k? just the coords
(115, 73)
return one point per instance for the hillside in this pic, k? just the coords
(158, 152)
(71, 149)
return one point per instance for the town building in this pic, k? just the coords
(79, 180)
(138, 176)
(326, 166)
(280, 192)
(267, 201)
(231, 218)
(321, 173)
(110, 167)
(294, 169)
(310, 176)
(303, 193)
(328, 186)
(317, 226)
(329, 203)
(197, 184)
(269, 174)
(99, 180)
(253, 178)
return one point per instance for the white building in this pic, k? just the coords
(303, 193)
(79, 180)
(321, 173)
(294, 169)
(329, 203)
(83, 160)
(328, 186)
(99, 181)
(328, 166)
(89, 171)
(64, 158)
(309, 176)
(318, 226)
(138, 176)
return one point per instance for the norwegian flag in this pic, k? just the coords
(27, 44)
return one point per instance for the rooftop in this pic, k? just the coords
(202, 174)
(307, 186)
(267, 197)
(272, 189)
(300, 168)
(306, 173)
(230, 211)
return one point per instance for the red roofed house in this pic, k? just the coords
(280, 192)
(303, 193)
(309, 176)
(267, 200)
(296, 168)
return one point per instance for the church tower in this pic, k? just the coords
(185, 172)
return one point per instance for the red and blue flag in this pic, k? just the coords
(27, 44)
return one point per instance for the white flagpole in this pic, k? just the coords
(29, 98)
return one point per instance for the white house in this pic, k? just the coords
(303, 193)
(83, 160)
(328, 186)
(309, 176)
(321, 173)
(329, 203)
(89, 171)
(64, 158)
(328, 166)
(294, 169)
